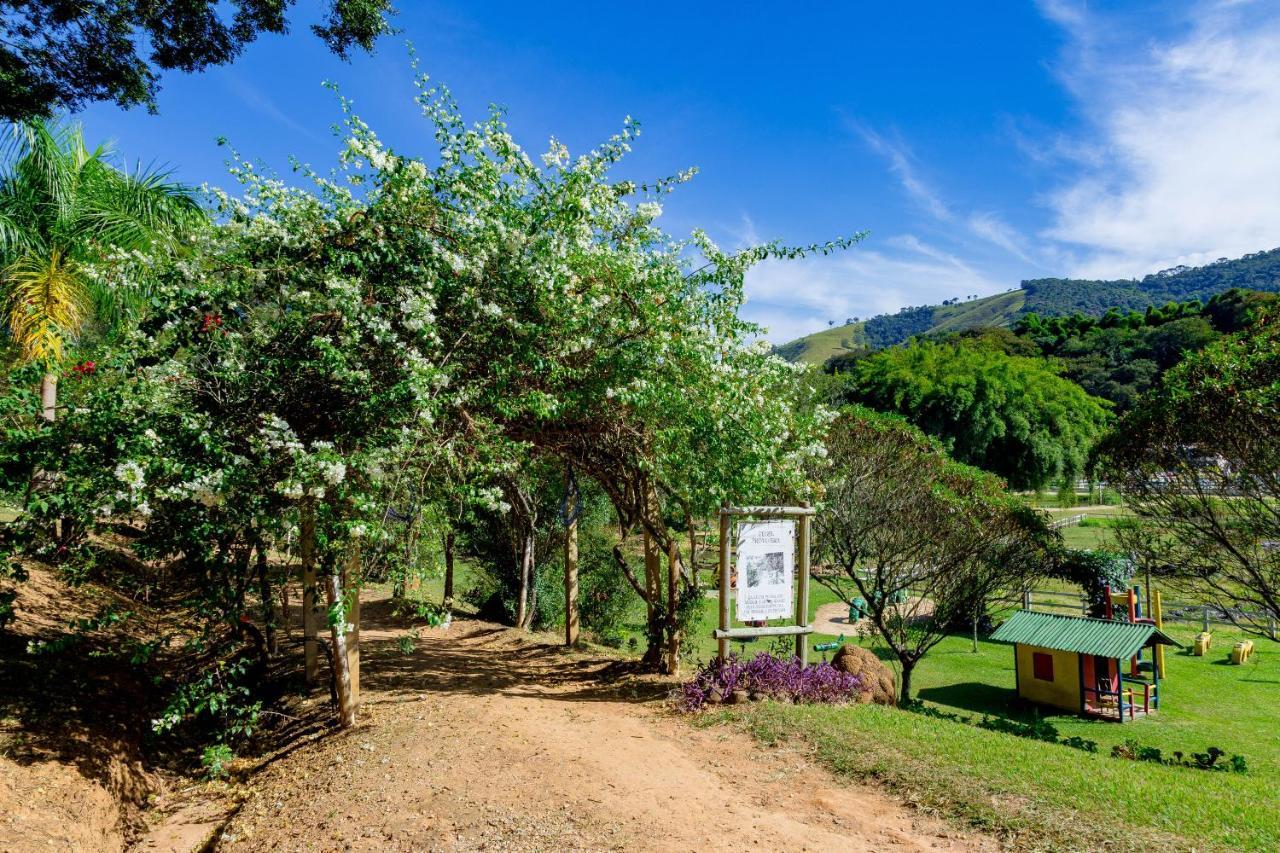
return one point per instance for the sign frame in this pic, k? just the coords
(801, 628)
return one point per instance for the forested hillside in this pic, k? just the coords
(1047, 297)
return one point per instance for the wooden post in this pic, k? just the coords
(338, 636)
(673, 605)
(1204, 619)
(1026, 599)
(307, 549)
(351, 586)
(802, 596)
(723, 644)
(1157, 614)
(571, 577)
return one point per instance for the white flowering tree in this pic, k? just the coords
(425, 325)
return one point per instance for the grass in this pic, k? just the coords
(1055, 796)
(1041, 795)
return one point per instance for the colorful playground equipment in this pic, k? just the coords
(859, 609)
(1078, 663)
(1240, 651)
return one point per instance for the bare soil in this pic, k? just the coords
(484, 738)
(834, 619)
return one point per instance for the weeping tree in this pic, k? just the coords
(70, 220)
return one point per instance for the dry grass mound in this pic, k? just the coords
(877, 679)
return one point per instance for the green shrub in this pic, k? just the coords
(215, 760)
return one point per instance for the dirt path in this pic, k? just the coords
(485, 739)
(833, 618)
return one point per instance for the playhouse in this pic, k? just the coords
(1079, 663)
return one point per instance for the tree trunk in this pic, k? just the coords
(571, 581)
(526, 530)
(341, 663)
(351, 581)
(653, 653)
(449, 543)
(975, 631)
(532, 609)
(673, 602)
(268, 610)
(49, 396)
(904, 693)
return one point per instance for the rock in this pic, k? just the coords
(877, 679)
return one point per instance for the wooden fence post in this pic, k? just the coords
(802, 594)
(307, 549)
(723, 643)
(351, 586)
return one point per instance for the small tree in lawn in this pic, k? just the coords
(1199, 463)
(925, 541)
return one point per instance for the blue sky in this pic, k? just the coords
(980, 144)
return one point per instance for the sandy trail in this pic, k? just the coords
(483, 738)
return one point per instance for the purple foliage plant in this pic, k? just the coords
(767, 676)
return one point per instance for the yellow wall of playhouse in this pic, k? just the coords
(1063, 691)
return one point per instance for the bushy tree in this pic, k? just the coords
(1199, 463)
(1013, 416)
(925, 541)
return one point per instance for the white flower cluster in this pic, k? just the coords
(131, 474)
(332, 471)
(491, 499)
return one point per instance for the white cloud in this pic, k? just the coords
(1183, 140)
(902, 164)
(261, 103)
(794, 298)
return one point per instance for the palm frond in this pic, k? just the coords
(47, 302)
(130, 210)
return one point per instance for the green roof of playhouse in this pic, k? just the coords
(1079, 634)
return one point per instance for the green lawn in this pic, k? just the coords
(1046, 796)
(1055, 796)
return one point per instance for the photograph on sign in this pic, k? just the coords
(766, 570)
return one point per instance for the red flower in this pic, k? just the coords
(84, 368)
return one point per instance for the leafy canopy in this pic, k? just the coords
(1010, 415)
(1199, 463)
(57, 55)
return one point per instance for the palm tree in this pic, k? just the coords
(63, 209)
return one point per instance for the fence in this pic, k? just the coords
(1204, 615)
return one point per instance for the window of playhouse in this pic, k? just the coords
(1042, 666)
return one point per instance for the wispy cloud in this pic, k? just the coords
(903, 166)
(794, 298)
(261, 103)
(1183, 134)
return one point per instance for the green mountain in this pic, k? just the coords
(1048, 297)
